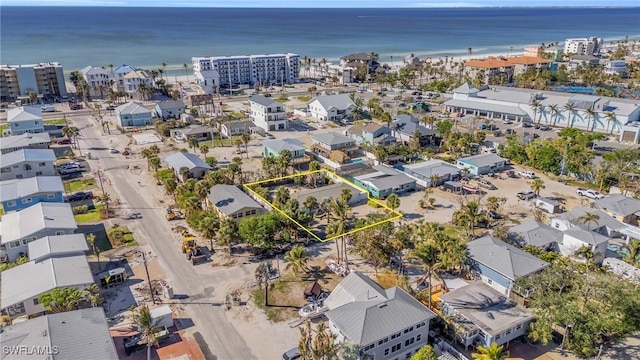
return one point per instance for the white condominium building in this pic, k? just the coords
(46, 80)
(583, 46)
(98, 79)
(233, 71)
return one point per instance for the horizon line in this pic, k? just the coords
(99, 5)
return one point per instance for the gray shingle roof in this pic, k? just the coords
(34, 278)
(58, 245)
(407, 124)
(198, 129)
(504, 258)
(534, 233)
(229, 199)
(586, 236)
(574, 214)
(284, 144)
(78, 334)
(482, 160)
(465, 89)
(170, 104)
(181, 159)
(432, 167)
(132, 107)
(24, 140)
(35, 218)
(332, 138)
(262, 100)
(619, 204)
(338, 101)
(369, 313)
(22, 155)
(24, 113)
(18, 188)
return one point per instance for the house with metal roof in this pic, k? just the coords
(198, 132)
(431, 173)
(37, 221)
(18, 194)
(333, 191)
(534, 233)
(577, 238)
(331, 107)
(622, 208)
(237, 127)
(606, 224)
(24, 141)
(22, 285)
(482, 163)
(133, 114)
(622, 269)
(268, 114)
(25, 119)
(499, 264)
(382, 323)
(229, 202)
(331, 141)
(485, 315)
(78, 334)
(196, 167)
(275, 147)
(27, 163)
(98, 78)
(383, 181)
(58, 246)
(405, 127)
(371, 134)
(170, 109)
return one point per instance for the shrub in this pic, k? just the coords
(373, 204)
(82, 209)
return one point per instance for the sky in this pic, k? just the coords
(324, 3)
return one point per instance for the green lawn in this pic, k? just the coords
(217, 143)
(55, 122)
(236, 115)
(80, 185)
(92, 216)
(304, 98)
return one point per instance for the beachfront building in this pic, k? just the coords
(26, 163)
(615, 67)
(331, 107)
(99, 80)
(170, 109)
(612, 115)
(330, 72)
(229, 202)
(268, 114)
(503, 69)
(137, 83)
(229, 72)
(25, 119)
(133, 114)
(25, 141)
(120, 72)
(45, 80)
(18, 194)
(583, 46)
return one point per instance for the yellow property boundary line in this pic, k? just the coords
(335, 177)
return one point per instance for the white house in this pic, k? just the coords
(27, 163)
(331, 107)
(24, 141)
(98, 79)
(576, 238)
(268, 114)
(120, 73)
(134, 80)
(24, 119)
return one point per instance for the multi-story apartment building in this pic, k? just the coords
(268, 114)
(583, 46)
(46, 80)
(128, 79)
(213, 73)
(98, 79)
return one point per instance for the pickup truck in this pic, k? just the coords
(592, 194)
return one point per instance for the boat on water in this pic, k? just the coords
(312, 310)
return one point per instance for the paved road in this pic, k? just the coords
(218, 337)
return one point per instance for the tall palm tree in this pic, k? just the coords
(571, 108)
(491, 352)
(470, 51)
(227, 234)
(535, 105)
(311, 203)
(246, 138)
(147, 325)
(297, 259)
(554, 112)
(202, 190)
(147, 154)
(588, 218)
(105, 199)
(170, 186)
(155, 163)
(472, 214)
(164, 68)
(591, 115)
(263, 274)
(186, 68)
(427, 254)
(71, 132)
(193, 143)
(204, 149)
(537, 185)
(611, 118)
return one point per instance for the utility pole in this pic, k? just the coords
(99, 173)
(146, 269)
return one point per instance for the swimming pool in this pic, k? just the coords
(354, 161)
(576, 89)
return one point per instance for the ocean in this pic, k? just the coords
(147, 37)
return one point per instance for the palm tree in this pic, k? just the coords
(170, 186)
(193, 143)
(570, 107)
(186, 68)
(245, 137)
(297, 259)
(105, 199)
(491, 352)
(634, 252)
(471, 213)
(146, 324)
(227, 233)
(155, 163)
(202, 190)
(311, 203)
(589, 218)
(71, 132)
(427, 254)
(393, 201)
(262, 274)
(147, 154)
(590, 114)
(470, 51)
(535, 105)
(184, 173)
(204, 149)
(537, 185)
(611, 118)
(554, 112)
(164, 68)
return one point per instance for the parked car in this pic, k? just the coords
(526, 195)
(545, 128)
(111, 107)
(507, 122)
(75, 106)
(592, 194)
(80, 196)
(113, 150)
(527, 174)
(70, 165)
(63, 142)
(69, 170)
(536, 126)
(510, 131)
(512, 174)
(497, 133)
(526, 125)
(494, 215)
(292, 354)
(240, 151)
(486, 184)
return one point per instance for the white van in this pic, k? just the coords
(48, 108)
(527, 174)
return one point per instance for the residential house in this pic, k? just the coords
(24, 141)
(334, 146)
(499, 264)
(622, 208)
(534, 233)
(120, 73)
(27, 163)
(605, 225)
(382, 323)
(405, 127)
(229, 202)
(170, 109)
(333, 191)
(58, 246)
(133, 114)
(18, 194)
(384, 181)
(616, 67)
(198, 132)
(22, 285)
(293, 146)
(431, 173)
(39, 220)
(268, 114)
(577, 238)
(482, 163)
(235, 128)
(485, 315)
(331, 107)
(353, 60)
(24, 119)
(78, 334)
(136, 81)
(98, 79)
(583, 61)
(371, 134)
(196, 167)
(622, 269)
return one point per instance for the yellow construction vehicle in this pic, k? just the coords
(190, 248)
(173, 214)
